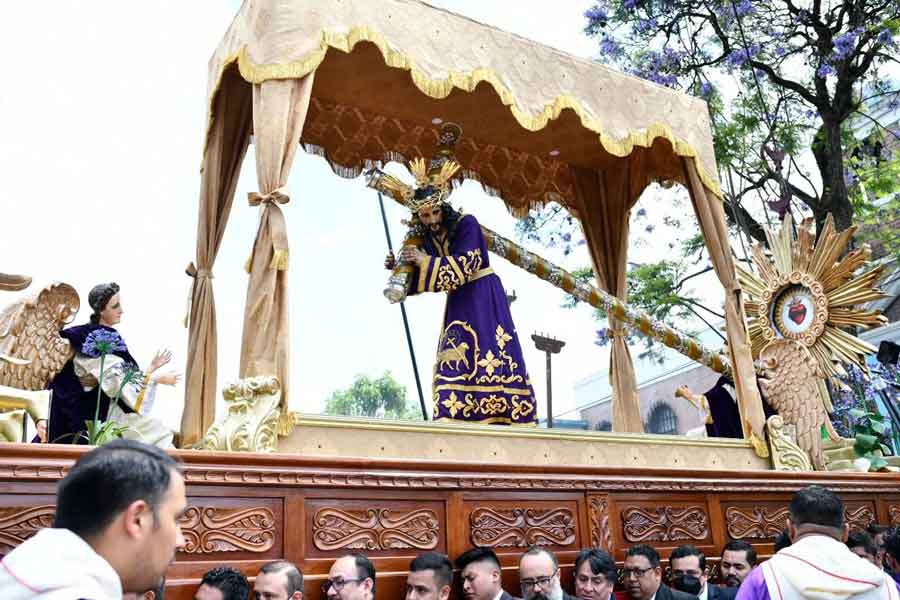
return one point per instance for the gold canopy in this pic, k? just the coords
(367, 81)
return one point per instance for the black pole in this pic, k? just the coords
(412, 353)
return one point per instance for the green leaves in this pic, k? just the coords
(383, 397)
(869, 429)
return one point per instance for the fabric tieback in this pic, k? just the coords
(276, 196)
(194, 273)
(280, 254)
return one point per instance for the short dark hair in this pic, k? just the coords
(782, 541)
(537, 551)
(600, 563)
(686, 550)
(364, 569)
(106, 480)
(874, 528)
(231, 582)
(476, 555)
(437, 562)
(290, 570)
(892, 543)
(861, 539)
(742, 546)
(645, 550)
(815, 505)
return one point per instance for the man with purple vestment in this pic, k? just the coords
(479, 371)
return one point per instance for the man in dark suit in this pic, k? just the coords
(539, 576)
(481, 575)
(690, 575)
(643, 576)
(595, 575)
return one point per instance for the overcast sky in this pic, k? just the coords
(103, 114)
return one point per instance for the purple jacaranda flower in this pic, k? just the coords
(603, 336)
(780, 50)
(825, 70)
(641, 212)
(598, 12)
(101, 342)
(885, 37)
(844, 44)
(567, 237)
(740, 57)
(744, 7)
(649, 228)
(610, 47)
(706, 90)
(629, 4)
(645, 25)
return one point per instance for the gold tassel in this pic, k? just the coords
(279, 260)
(249, 263)
(285, 424)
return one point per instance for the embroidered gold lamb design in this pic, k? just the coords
(458, 347)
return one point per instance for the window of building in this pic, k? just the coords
(662, 419)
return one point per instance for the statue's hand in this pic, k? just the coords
(413, 255)
(161, 359)
(170, 378)
(390, 262)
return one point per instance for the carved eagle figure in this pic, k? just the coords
(789, 377)
(31, 349)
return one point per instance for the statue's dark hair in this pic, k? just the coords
(99, 297)
(451, 220)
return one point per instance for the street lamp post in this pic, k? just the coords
(550, 346)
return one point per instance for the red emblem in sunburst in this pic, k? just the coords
(797, 311)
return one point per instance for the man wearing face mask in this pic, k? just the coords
(643, 576)
(690, 575)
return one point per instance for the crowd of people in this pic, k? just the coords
(117, 529)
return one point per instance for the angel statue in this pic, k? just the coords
(41, 354)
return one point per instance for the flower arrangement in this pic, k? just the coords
(98, 344)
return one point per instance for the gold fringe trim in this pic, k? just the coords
(280, 260)
(441, 88)
(248, 266)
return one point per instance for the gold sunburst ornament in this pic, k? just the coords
(807, 292)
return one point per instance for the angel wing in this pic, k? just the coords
(789, 381)
(31, 349)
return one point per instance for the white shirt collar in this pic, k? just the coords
(704, 593)
(499, 594)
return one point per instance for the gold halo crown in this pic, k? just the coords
(434, 180)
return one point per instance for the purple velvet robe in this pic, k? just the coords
(479, 372)
(723, 408)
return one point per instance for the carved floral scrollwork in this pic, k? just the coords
(894, 513)
(209, 529)
(601, 534)
(20, 523)
(665, 524)
(522, 527)
(755, 523)
(375, 529)
(859, 518)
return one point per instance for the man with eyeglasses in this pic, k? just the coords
(643, 576)
(539, 576)
(352, 577)
(595, 575)
(690, 575)
(481, 575)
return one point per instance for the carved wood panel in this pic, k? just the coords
(248, 526)
(601, 533)
(757, 521)
(894, 514)
(665, 523)
(338, 525)
(18, 523)
(520, 524)
(858, 515)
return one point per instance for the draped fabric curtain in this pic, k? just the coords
(711, 215)
(279, 111)
(227, 141)
(604, 201)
